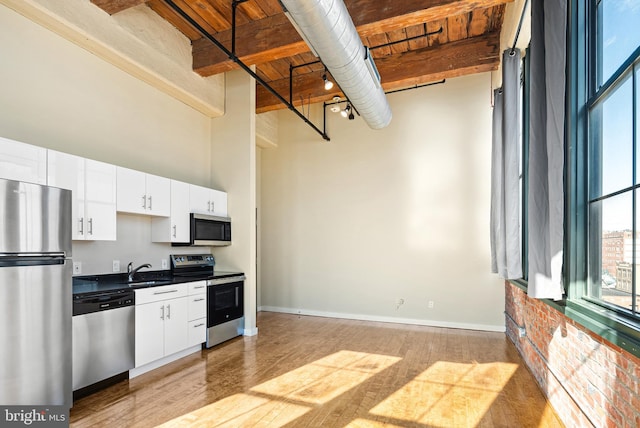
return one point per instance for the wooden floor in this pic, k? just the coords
(302, 371)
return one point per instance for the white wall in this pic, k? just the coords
(352, 226)
(57, 95)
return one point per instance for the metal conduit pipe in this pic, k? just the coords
(327, 28)
(232, 56)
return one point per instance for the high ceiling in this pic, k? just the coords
(436, 39)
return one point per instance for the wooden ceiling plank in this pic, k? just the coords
(395, 36)
(467, 56)
(274, 37)
(457, 27)
(440, 38)
(270, 7)
(379, 40)
(416, 31)
(209, 60)
(210, 14)
(168, 14)
(115, 6)
(182, 4)
(479, 22)
(253, 10)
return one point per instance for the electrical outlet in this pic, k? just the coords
(430, 305)
(116, 266)
(77, 268)
(165, 264)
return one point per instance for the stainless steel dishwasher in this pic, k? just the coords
(103, 338)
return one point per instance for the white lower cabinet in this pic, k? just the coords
(161, 322)
(197, 311)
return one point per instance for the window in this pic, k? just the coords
(612, 146)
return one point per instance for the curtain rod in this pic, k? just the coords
(515, 40)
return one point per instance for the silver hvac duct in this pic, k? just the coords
(326, 26)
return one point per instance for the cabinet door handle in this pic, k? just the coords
(90, 232)
(150, 203)
(198, 300)
(168, 312)
(174, 230)
(208, 205)
(198, 286)
(144, 202)
(81, 226)
(162, 313)
(165, 292)
(213, 206)
(198, 325)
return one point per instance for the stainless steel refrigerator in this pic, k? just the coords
(35, 294)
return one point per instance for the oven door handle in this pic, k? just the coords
(220, 281)
(236, 297)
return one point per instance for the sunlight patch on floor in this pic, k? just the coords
(326, 378)
(240, 410)
(447, 393)
(281, 400)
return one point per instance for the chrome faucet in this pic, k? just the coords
(132, 271)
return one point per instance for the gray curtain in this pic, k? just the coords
(546, 148)
(506, 259)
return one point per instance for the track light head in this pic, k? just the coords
(347, 112)
(328, 84)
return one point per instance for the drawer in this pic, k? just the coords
(197, 306)
(197, 331)
(156, 294)
(197, 287)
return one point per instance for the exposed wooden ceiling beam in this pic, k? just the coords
(274, 37)
(115, 6)
(430, 64)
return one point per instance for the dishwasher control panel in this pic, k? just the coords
(96, 302)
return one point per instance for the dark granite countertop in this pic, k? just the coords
(118, 281)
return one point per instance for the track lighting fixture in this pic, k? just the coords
(328, 84)
(335, 108)
(347, 112)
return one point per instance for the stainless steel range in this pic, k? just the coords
(225, 295)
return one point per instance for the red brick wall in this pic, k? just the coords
(588, 381)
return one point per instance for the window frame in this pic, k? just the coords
(607, 321)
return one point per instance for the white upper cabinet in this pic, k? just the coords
(142, 193)
(207, 201)
(23, 162)
(175, 228)
(93, 185)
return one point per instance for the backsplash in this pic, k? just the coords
(133, 244)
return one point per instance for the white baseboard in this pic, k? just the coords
(361, 317)
(250, 331)
(137, 371)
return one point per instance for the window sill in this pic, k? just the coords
(608, 324)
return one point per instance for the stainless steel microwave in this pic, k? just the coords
(210, 230)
